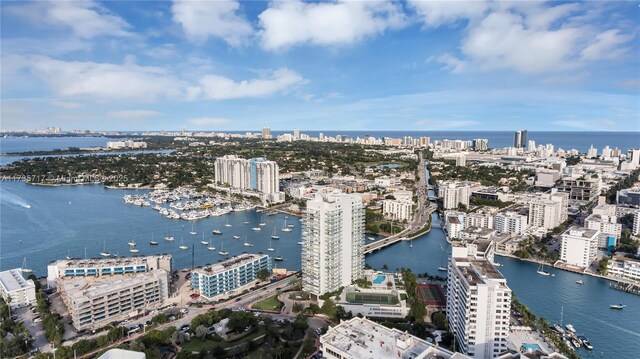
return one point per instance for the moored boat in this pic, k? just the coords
(617, 306)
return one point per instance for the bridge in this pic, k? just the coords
(402, 236)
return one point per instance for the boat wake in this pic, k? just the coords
(617, 327)
(11, 198)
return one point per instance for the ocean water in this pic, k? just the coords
(21, 144)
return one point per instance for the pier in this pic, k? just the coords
(632, 288)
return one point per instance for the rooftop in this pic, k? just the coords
(93, 287)
(230, 263)
(12, 279)
(364, 339)
(104, 262)
(122, 354)
(580, 232)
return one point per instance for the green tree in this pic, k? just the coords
(263, 274)
(201, 331)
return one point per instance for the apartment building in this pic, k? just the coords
(478, 303)
(455, 223)
(230, 274)
(579, 246)
(510, 222)
(397, 210)
(454, 193)
(548, 210)
(483, 220)
(333, 242)
(361, 338)
(636, 223)
(94, 302)
(581, 188)
(610, 229)
(624, 267)
(13, 285)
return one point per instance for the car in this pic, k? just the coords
(149, 322)
(172, 318)
(37, 320)
(238, 299)
(184, 328)
(184, 310)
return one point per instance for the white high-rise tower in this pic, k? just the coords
(333, 242)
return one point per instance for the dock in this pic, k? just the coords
(633, 288)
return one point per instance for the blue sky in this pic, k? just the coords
(360, 65)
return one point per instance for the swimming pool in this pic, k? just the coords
(531, 347)
(380, 279)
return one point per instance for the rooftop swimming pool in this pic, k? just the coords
(379, 279)
(531, 347)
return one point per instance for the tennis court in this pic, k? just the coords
(431, 294)
(369, 298)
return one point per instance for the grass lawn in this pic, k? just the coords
(271, 304)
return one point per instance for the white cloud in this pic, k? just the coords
(162, 52)
(209, 121)
(530, 37)
(87, 19)
(216, 87)
(104, 81)
(438, 13)
(202, 19)
(607, 46)
(289, 23)
(593, 125)
(449, 62)
(132, 115)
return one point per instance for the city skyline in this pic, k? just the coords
(395, 66)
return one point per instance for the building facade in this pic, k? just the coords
(478, 303)
(13, 285)
(624, 267)
(547, 211)
(579, 246)
(636, 223)
(454, 193)
(582, 189)
(608, 227)
(333, 242)
(520, 138)
(397, 210)
(228, 275)
(510, 222)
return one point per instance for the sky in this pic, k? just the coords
(344, 65)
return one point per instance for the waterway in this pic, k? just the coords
(68, 220)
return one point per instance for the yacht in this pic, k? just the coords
(132, 243)
(570, 328)
(442, 269)
(541, 270)
(371, 238)
(236, 237)
(579, 281)
(278, 258)
(134, 250)
(216, 231)
(617, 306)
(246, 243)
(575, 343)
(222, 252)
(256, 228)
(203, 241)
(558, 329)
(104, 252)
(585, 342)
(182, 246)
(274, 235)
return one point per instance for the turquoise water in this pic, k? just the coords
(531, 347)
(379, 279)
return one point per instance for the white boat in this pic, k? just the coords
(24, 266)
(570, 328)
(256, 228)
(193, 233)
(496, 264)
(285, 228)
(274, 235)
(617, 306)
(182, 246)
(152, 242)
(228, 224)
(134, 250)
(371, 238)
(216, 231)
(203, 241)
(246, 243)
(222, 252)
(68, 256)
(541, 270)
(236, 237)
(558, 328)
(278, 258)
(579, 281)
(104, 252)
(301, 242)
(575, 343)
(246, 222)
(132, 243)
(270, 249)
(290, 225)
(442, 269)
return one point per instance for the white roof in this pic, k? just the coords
(12, 280)
(122, 354)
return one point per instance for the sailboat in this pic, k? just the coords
(222, 252)
(104, 252)
(216, 231)
(182, 246)
(411, 243)
(541, 270)
(285, 228)
(262, 222)
(193, 232)
(236, 237)
(68, 256)
(256, 229)
(24, 266)
(270, 249)
(203, 241)
(273, 234)
(210, 245)
(228, 224)
(168, 237)
(134, 250)
(442, 268)
(246, 243)
(152, 242)
(132, 243)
